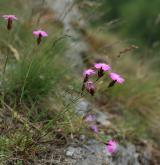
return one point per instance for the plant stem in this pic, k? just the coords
(3, 75)
(67, 107)
(25, 80)
(4, 69)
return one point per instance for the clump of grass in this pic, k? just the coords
(24, 140)
(37, 69)
(34, 76)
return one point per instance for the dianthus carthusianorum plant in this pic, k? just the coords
(35, 75)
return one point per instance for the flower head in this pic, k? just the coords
(102, 66)
(89, 72)
(116, 77)
(40, 34)
(111, 146)
(90, 118)
(89, 85)
(86, 74)
(10, 19)
(94, 128)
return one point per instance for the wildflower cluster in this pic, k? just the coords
(39, 34)
(99, 70)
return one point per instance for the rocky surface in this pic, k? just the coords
(93, 153)
(66, 11)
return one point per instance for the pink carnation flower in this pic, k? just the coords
(10, 19)
(89, 72)
(94, 128)
(37, 33)
(102, 66)
(40, 34)
(89, 85)
(117, 78)
(86, 74)
(111, 146)
(90, 118)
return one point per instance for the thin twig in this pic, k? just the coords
(59, 39)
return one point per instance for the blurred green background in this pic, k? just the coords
(138, 19)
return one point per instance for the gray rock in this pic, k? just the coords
(126, 156)
(103, 118)
(93, 153)
(70, 151)
(90, 160)
(67, 12)
(75, 152)
(82, 107)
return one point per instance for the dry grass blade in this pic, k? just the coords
(21, 119)
(14, 51)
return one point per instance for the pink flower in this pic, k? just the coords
(89, 85)
(86, 74)
(37, 33)
(111, 146)
(89, 72)
(117, 78)
(10, 19)
(94, 128)
(40, 34)
(102, 67)
(90, 118)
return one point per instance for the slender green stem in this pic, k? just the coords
(25, 80)
(4, 69)
(3, 74)
(5, 64)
